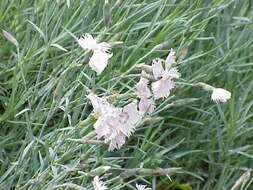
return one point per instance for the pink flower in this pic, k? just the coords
(100, 105)
(130, 117)
(163, 76)
(114, 124)
(142, 87)
(146, 104)
(162, 87)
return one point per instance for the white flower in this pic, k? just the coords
(98, 185)
(101, 52)
(220, 95)
(142, 187)
(87, 42)
(114, 124)
(99, 61)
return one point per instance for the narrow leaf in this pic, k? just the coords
(59, 47)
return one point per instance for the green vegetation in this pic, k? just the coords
(43, 88)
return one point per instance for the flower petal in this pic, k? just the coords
(220, 95)
(142, 88)
(146, 105)
(99, 61)
(142, 187)
(162, 87)
(100, 105)
(173, 73)
(87, 42)
(157, 68)
(98, 185)
(133, 113)
(170, 60)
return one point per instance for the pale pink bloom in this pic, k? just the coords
(173, 73)
(98, 185)
(142, 187)
(130, 116)
(157, 68)
(114, 124)
(101, 52)
(146, 104)
(142, 87)
(100, 105)
(170, 60)
(161, 88)
(220, 95)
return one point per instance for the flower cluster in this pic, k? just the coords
(114, 124)
(101, 52)
(162, 74)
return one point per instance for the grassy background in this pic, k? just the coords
(43, 103)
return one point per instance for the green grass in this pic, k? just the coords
(43, 102)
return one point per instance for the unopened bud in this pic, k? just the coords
(205, 86)
(162, 45)
(117, 4)
(107, 17)
(100, 170)
(144, 67)
(242, 180)
(11, 38)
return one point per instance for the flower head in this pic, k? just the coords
(101, 52)
(98, 185)
(220, 95)
(114, 124)
(146, 104)
(163, 76)
(142, 187)
(142, 87)
(162, 87)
